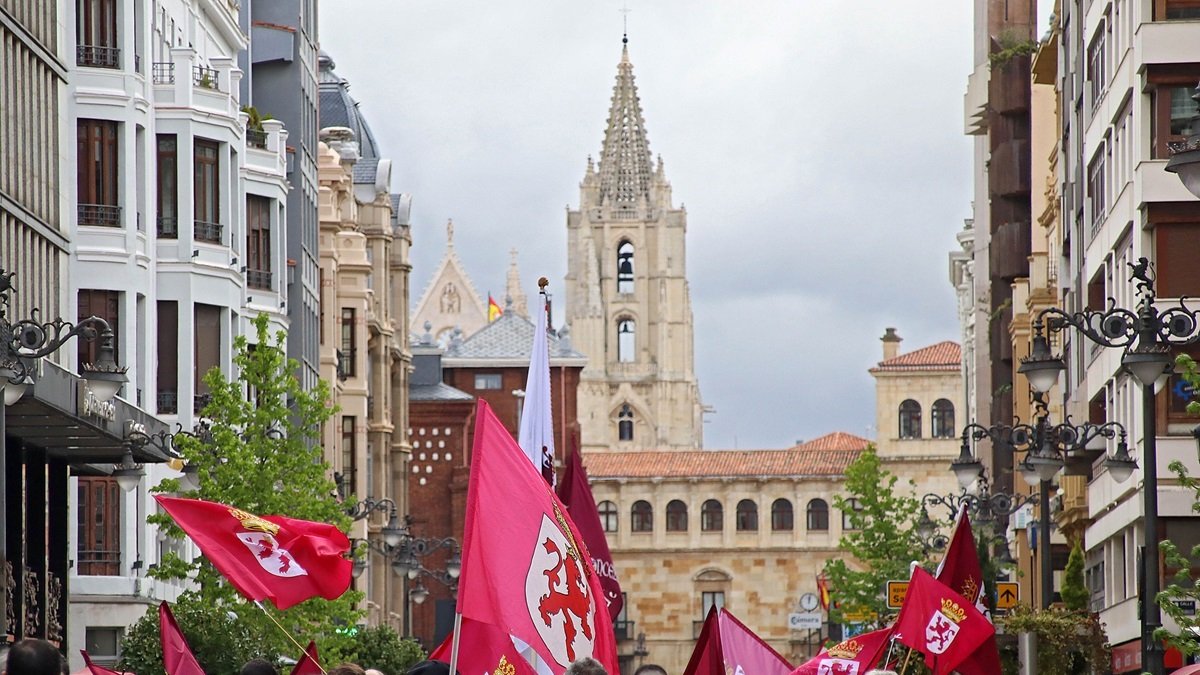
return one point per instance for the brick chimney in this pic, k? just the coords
(891, 344)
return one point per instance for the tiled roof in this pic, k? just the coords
(838, 440)
(337, 108)
(365, 171)
(718, 463)
(509, 337)
(437, 392)
(945, 355)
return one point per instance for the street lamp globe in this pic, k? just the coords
(128, 473)
(454, 565)
(393, 534)
(360, 566)
(1121, 465)
(419, 593)
(966, 468)
(1041, 367)
(1147, 363)
(1030, 474)
(1045, 464)
(13, 391)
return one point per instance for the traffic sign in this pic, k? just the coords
(805, 621)
(1007, 593)
(896, 590)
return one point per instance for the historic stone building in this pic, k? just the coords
(628, 302)
(450, 302)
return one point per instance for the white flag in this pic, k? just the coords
(536, 436)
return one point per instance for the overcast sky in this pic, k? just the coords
(817, 144)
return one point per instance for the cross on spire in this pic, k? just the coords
(625, 22)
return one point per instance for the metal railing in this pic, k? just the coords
(96, 56)
(168, 227)
(624, 630)
(259, 279)
(168, 401)
(105, 562)
(206, 231)
(205, 77)
(100, 214)
(163, 72)
(256, 138)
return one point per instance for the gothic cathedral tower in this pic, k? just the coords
(628, 302)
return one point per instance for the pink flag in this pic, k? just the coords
(940, 623)
(177, 655)
(309, 663)
(95, 669)
(852, 656)
(727, 647)
(525, 567)
(576, 494)
(960, 571)
(484, 649)
(536, 435)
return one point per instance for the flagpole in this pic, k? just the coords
(303, 650)
(454, 643)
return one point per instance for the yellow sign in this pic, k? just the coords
(860, 616)
(1007, 593)
(896, 590)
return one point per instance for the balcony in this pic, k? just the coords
(205, 77)
(203, 230)
(163, 72)
(259, 279)
(95, 56)
(101, 215)
(168, 401)
(168, 227)
(100, 562)
(345, 364)
(624, 630)
(256, 138)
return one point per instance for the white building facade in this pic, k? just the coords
(178, 210)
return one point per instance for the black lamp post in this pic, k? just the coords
(1046, 447)
(1147, 336)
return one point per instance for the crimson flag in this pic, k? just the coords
(526, 569)
(276, 558)
(483, 649)
(726, 645)
(177, 655)
(940, 623)
(576, 494)
(960, 570)
(852, 656)
(706, 656)
(95, 669)
(309, 663)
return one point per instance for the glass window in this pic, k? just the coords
(168, 187)
(747, 516)
(710, 599)
(781, 515)
(346, 360)
(96, 33)
(488, 381)
(625, 267)
(712, 516)
(107, 306)
(676, 516)
(99, 533)
(608, 515)
(625, 423)
(641, 516)
(818, 515)
(349, 456)
(910, 419)
(626, 340)
(207, 191)
(848, 514)
(943, 419)
(97, 173)
(258, 242)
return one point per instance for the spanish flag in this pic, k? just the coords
(494, 310)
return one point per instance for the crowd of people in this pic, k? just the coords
(32, 656)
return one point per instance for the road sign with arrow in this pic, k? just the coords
(1007, 593)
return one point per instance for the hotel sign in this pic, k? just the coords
(91, 406)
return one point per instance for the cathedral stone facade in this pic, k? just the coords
(628, 303)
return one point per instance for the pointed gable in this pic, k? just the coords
(625, 164)
(450, 300)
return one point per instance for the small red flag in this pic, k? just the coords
(177, 655)
(309, 662)
(274, 558)
(526, 569)
(726, 646)
(960, 570)
(483, 648)
(576, 495)
(939, 623)
(95, 669)
(706, 656)
(852, 655)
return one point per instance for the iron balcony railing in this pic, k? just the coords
(259, 279)
(206, 231)
(163, 72)
(205, 77)
(168, 401)
(100, 214)
(168, 227)
(96, 56)
(256, 138)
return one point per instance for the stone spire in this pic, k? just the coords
(625, 164)
(513, 289)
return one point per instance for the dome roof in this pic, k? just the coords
(339, 109)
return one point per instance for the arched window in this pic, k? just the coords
(625, 423)
(781, 515)
(626, 339)
(848, 514)
(910, 419)
(943, 419)
(712, 516)
(641, 517)
(676, 516)
(625, 267)
(747, 516)
(608, 515)
(818, 515)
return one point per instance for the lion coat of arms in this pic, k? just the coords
(558, 595)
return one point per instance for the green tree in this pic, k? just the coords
(882, 540)
(381, 648)
(1074, 592)
(261, 453)
(1183, 586)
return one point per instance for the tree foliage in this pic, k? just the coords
(882, 540)
(381, 648)
(1068, 642)
(261, 453)
(1075, 594)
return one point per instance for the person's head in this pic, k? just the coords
(34, 657)
(348, 669)
(259, 667)
(372, 671)
(429, 668)
(586, 666)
